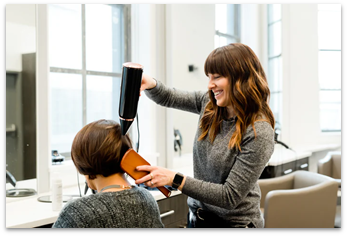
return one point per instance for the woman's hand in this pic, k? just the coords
(157, 177)
(147, 83)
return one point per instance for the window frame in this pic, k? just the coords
(328, 131)
(126, 28)
(270, 58)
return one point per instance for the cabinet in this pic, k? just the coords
(272, 171)
(173, 211)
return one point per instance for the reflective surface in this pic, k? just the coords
(20, 93)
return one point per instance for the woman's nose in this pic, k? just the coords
(210, 85)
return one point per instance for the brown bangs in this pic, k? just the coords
(216, 63)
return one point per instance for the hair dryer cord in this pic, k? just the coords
(138, 133)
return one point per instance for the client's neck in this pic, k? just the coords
(116, 179)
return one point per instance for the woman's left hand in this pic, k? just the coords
(157, 177)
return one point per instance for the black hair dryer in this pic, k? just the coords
(129, 94)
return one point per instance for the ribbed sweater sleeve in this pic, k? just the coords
(175, 98)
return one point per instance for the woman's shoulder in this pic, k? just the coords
(262, 128)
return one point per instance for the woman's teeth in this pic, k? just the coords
(217, 93)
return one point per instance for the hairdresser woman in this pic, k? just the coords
(233, 142)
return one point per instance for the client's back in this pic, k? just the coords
(131, 208)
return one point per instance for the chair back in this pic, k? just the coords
(336, 165)
(311, 203)
(304, 179)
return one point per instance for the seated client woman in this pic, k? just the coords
(96, 152)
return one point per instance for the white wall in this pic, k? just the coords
(190, 39)
(20, 34)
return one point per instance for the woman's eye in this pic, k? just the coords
(214, 77)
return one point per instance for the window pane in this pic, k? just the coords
(276, 105)
(329, 7)
(275, 74)
(227, 18)
(329, 33)
(330, 97)
(102, 98)
(275, 39)
(221, 18)
(231, 40)
(274, 12)
(222, 41)
(66, 112)
(104, 41)
(330, 118)
(330, 110)
(216, 41)
(329, 69)
(329, 27)
(271, 75)
(65, 36)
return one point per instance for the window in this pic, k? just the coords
(227, 24)
(88, 44)
(329, 66)
(274, 74)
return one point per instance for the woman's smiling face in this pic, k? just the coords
(220, 87)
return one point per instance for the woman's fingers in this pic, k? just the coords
(145, 168)
(158, 176)
(145, 178)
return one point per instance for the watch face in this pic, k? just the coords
(177, 180)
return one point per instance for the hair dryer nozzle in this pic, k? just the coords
(125, 125)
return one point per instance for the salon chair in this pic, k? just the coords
(301, 199)
(330, 165)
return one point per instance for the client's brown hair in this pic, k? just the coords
(99, 147)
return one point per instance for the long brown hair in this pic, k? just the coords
(98, 148)
(249, 92)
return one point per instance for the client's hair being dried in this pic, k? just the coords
(98, 148)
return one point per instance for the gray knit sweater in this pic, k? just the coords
(225, 181)
(131, 208)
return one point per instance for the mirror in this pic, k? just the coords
(21, 95)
